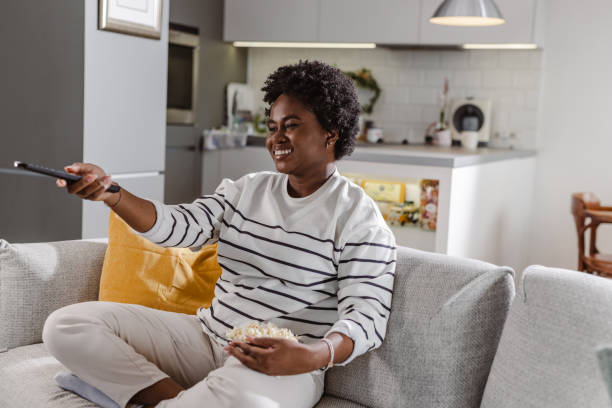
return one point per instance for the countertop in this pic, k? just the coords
(424, 155)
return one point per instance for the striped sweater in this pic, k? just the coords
(317, 264)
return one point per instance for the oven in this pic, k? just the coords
(183, 56)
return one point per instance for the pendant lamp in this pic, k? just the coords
(467, 13)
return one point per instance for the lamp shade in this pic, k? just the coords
(467, 13)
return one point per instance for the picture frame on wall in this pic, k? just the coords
(135, 17)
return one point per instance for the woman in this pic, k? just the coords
(302, 248)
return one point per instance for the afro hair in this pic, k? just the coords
(324, 90)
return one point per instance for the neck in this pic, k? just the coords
(304, 185)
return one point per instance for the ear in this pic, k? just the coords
(331, 138)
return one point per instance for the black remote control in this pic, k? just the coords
(70, 178)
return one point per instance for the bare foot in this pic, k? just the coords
(161, 390)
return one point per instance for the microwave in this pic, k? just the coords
(183, 62)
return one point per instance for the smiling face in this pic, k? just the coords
(299, 145)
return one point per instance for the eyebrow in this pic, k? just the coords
(286, 118)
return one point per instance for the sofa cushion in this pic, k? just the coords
(333, 402)
(547, 355)
(140, 272)
(36, 279)
(446, 318)
(26, 380)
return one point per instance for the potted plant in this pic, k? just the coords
(440, 130)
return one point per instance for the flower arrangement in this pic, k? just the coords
(443, 103)
(365, 80)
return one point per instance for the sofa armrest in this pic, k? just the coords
(36, 279)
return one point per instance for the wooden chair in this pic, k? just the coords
(586, 206)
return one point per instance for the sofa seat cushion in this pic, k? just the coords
(26, 380)
(547, 354)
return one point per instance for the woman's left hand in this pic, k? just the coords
(278, 356)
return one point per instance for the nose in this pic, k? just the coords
(278, 137)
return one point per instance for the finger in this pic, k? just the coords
(263, 341)
(239, 354)
(92, 189)
(96, 189)
(256, 351)
(84, 182)
(60, 183)
(81, 168)
(73, 168)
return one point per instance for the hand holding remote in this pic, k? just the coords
(92, 185)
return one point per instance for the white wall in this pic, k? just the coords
(575, 138)
(411, 79)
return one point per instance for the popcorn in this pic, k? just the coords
(254, 329)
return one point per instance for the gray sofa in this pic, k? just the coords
(457, 335)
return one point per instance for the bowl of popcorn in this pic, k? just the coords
(254, 329)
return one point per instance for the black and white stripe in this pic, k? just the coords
(315, 266)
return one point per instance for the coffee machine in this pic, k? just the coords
(470, 114)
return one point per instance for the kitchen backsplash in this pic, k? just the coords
(411, 79)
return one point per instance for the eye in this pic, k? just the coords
(291, 125)
(271, 129)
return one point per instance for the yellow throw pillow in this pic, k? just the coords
(137, 271)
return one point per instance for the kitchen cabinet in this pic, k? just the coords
(519, 26)
(271, 20)
(384, 22)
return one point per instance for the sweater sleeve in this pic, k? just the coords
(189, 225)
(366, 273)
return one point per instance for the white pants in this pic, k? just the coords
(122, 349)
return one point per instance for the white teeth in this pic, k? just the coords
(281, 152)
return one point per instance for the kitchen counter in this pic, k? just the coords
(424, 155)
(482, 193)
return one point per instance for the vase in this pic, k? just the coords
(442, 137)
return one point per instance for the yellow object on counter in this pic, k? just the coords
(388, 191)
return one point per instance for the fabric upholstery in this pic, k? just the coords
(333, 402)
(26, 380)
(547, 355)
(604, 355)
(446, 318)
(36, 279)
(140, 272)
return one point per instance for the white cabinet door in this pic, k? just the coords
(235, 163)
(519, 15)
(271, 20)
(384, 22)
